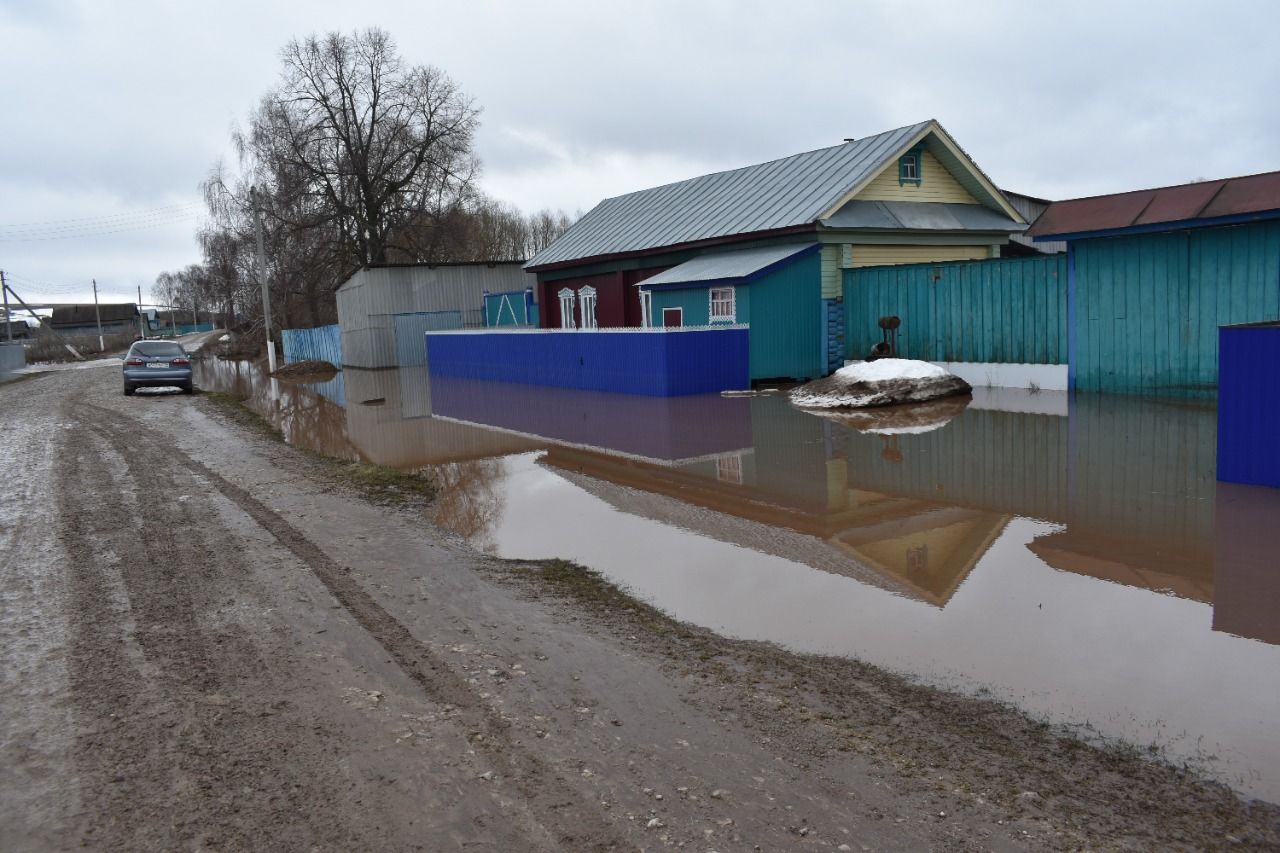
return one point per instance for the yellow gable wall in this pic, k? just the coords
(936, 184)
(883, 255)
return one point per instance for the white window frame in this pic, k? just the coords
(729, 468)
(587, 307)
(566, 302)
(646, 308)
(712, 316)
(673, 308)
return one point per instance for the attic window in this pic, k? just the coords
(909, 168)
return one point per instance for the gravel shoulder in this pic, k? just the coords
(214, 641)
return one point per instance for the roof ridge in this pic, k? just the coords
(858, 141)
(1172, 186)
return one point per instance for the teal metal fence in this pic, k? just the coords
(1005, 311)
(323, 343)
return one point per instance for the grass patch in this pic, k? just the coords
(383, 485)
(233, 406)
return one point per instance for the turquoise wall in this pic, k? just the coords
(696, 306)
(1011, 311)
(1148, 307)
(784, 309)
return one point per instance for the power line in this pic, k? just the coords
(105, 216)
(89, 234)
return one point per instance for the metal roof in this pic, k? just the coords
(920, 216)
(722, 266)
(786, 193)
(1229, 197)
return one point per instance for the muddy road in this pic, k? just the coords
(211, 643)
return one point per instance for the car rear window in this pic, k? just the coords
(156, 348)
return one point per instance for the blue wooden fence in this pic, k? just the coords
(659, 362)
(1007, 311)
(323, 343)
(1249, 404)
(409, 329)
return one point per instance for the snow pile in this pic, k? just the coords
(889, 368)
(879, 383)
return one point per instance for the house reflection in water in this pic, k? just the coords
(1129, 485)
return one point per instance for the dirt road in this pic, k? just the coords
(208, 643)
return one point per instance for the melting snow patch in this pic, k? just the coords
(879, 383)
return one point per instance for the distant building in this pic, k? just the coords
(385, 310)
(1152, 274)
(1020, 244)
(77, 320)
(769, 244)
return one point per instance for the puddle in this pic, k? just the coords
(1077, 559)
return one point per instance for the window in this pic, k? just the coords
(729, 469)
(723, 305)
(909, 168)
(587, 307)
(646, 308)
(566, 309)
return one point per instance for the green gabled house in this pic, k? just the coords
(766, 245)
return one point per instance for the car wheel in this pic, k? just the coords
(128, 390)
(188, 388)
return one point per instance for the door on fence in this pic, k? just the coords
(672, 318)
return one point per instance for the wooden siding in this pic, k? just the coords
(1148, 307)
(831, 256)
(695, 303)
(936, 184)
(786, 327)
(885, 255)
(1011, 311)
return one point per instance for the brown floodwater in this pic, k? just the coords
(1076, 558)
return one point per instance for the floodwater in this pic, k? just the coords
(1077, 559)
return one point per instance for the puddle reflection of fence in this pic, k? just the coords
(1128, 484)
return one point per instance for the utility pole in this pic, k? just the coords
(142, 320)
(262, 279)
(41, 324)
(98, 313)
(8, 318)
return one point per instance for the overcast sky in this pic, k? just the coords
(113, 112)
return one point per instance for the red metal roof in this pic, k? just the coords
(1205, 200)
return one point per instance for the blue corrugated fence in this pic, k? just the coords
(659, 362)
(1249, 404)
(323, 343)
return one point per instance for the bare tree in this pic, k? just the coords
(355, 138)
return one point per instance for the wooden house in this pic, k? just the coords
(765, 245)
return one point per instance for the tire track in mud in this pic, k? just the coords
(548, 799)
(178, 747)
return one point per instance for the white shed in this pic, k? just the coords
(384, 311)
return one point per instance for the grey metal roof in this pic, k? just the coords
(793, 191)
(920, 216)
(719, 266)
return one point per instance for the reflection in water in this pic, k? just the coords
(469, 499)
(1078, 560)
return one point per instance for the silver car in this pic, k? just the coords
(156, 364)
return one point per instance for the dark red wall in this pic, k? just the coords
(617, 298)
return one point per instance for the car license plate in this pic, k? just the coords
(160, 364)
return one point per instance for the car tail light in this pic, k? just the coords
(134, 362)
(179, 361)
